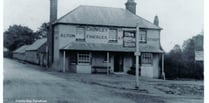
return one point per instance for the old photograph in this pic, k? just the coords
(99, 51)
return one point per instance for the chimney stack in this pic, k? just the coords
(50, 35)
(156, 20)
(53, 10)
(131, 6)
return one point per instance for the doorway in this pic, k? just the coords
(118, 63)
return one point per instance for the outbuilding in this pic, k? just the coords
(19, 53)
(36, 53)
(92, 39)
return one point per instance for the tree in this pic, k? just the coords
(195, 69)
(189, 53)
(180, 63)
(43, 30)
(17, 36)
(173, 63)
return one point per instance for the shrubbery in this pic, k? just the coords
(180, 63)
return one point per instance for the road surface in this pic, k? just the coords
(25, 83)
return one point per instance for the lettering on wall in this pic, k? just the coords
(96, 29)
(100, 33)
(96, 36)
(153, 39)
(63, 35)
(91, 32)
(129, 39)
(129, 44)
(148, 47)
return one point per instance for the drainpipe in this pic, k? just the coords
(163, 72)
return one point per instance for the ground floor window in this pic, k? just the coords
(147, 58)
(84, 58)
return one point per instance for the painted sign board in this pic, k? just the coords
(199, 56)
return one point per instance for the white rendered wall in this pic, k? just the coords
(83, 68)
(147, 71)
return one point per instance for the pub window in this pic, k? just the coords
(147, 58)
(113, 35)
(143, 36)
(80, 33)
(84, 58)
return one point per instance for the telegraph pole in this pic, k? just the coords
(137, 54)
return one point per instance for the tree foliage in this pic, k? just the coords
(42, 30)
(173, 62)
(18, 35)
(180, 63)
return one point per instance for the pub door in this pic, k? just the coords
(118, 63)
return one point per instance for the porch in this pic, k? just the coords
(96, 61)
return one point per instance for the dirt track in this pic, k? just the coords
(26, 82)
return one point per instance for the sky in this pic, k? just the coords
(180, 19)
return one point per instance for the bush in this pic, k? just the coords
(183, 69)
(132, 71)
(8, 54)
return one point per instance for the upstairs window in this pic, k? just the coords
(143, 36)
(147, 58)
(113, 35)
(80, 34)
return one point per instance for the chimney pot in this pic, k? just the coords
(156, 20)
(131, 6)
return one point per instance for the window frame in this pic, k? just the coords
(147, 59)
(140, 36)
(84, 33)
(86, 56)
(110, 40)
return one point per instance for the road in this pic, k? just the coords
(25, 83)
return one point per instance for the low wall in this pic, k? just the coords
(83, 69)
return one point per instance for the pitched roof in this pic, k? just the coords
(21, 49)
(108, 47)
(106, 16)
(37, 44)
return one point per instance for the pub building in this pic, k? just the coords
(92, 39)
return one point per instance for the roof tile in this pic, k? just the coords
(37, 44)
(21, 49)
(107, 16)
